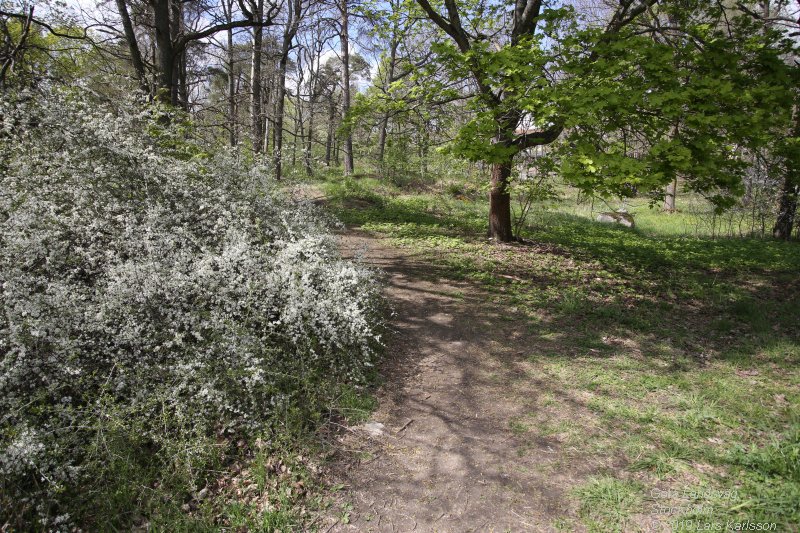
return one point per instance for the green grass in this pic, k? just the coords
(606, 503)
(679, 351)
(355, 405)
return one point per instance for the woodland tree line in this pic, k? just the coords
(628, 96)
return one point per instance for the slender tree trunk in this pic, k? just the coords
(265, 106)
(298, 130)
(256, 121)
(329, 139)
(176, 18)
(345, 42)
(307, 157)
(669, 196)
(231, 91)
(500, 203)
(294, 16)
(280, 96)
(133, 46)
(425, 142)
(385, 119)
(309, 138)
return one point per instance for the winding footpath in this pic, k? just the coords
(441, 452)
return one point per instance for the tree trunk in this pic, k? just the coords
(289, 32)
(133, 46)
(280, 96)
(176, 18)
(231, 91)
(787, 210)
(345, 42)
(183, 86)
(329, 139)
(385, 120)
(266, 106)
(165, 55)
(256, 122)
(500, 203)
(310, 139)
(669, 196)
(790, 192)
(298, 130)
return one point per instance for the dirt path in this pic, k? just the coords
(455, 380)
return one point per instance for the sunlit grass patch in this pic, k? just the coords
(664, 356)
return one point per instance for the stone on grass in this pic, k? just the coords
(616, 217)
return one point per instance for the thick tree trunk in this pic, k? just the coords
(345, 42)
(183, 86)
(256, 122)
(165, 55)
(790, 192)
(500, 203)
(787, 209)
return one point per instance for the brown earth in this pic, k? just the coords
(451, 456)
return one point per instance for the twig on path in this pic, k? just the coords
(520, 518)
(405, 425)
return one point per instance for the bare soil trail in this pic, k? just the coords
(455, 379)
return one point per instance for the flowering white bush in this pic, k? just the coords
(154, 297)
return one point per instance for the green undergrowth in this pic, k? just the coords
(672, 355)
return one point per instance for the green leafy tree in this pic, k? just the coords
(630, 112)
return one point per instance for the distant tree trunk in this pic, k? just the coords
(424, 148)
(345, 43)
(669, 196)
(231, 91)
(500, 202)
(256, 122)
(309, 138)
(329, 139)
(298, 130)
(294, 7)
(385, 119)
(268, 106)
(299, 126)
(280, 105)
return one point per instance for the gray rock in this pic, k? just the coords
(375, 429)
(617, 217)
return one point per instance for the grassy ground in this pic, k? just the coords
(681, 352)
